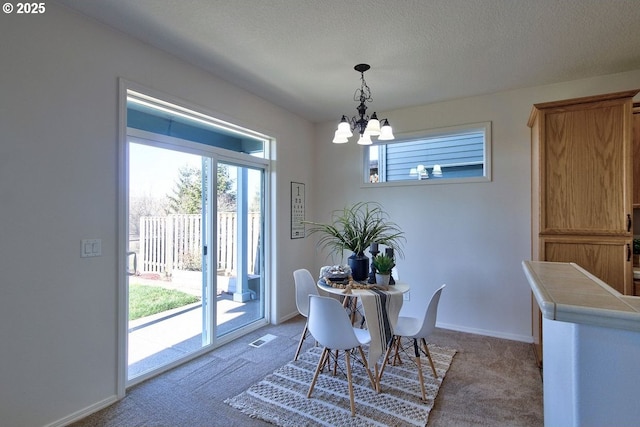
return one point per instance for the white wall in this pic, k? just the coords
(58, 184)
(473, 236)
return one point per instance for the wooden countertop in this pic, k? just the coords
(568, 293)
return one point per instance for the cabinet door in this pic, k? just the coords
(609, 259)
(586, 178)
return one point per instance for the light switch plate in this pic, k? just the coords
(90, 248)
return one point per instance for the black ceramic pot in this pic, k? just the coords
(359, 264)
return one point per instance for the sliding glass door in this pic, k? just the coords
(195, 218)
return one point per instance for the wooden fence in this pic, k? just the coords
(174, 242)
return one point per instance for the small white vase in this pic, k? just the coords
(382, 279)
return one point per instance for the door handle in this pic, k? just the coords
(628, 223)
(135, 263)
(628, 252)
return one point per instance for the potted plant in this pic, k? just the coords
(383, 265)
(355, 228)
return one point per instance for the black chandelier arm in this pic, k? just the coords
(359, 122)
(361, 125)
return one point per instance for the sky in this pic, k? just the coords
(154, 171)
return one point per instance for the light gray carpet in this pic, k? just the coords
(491, 382)
(281, 398)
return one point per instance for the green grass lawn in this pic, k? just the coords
(147, 300)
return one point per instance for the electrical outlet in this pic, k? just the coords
(406, 296)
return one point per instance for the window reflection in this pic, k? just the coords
(456, 153)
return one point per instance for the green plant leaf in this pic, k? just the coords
(356, 227)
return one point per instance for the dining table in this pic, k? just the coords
(381, 305)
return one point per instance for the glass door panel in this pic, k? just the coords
(167, 280)
(240, 298)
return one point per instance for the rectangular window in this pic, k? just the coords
(453, 154)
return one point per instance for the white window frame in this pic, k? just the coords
(262, 162)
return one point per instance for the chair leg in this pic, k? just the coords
(426, 350)
(420, 377)
(325, 359)
(302, 338)
(385, 361)
(396, 357)
(351, 397)
(366, 366)
(327, 362)
(318, 368)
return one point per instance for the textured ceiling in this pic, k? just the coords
(300, 54)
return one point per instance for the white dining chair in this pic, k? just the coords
(305, 286)
(417, 329)
(330, 326)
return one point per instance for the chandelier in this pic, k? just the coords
(366, 126)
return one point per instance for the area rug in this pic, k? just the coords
(281, 398)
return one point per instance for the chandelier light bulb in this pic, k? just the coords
(339, 139)
(373, 127)
(386, 132)
(344, 128)
(365, 139)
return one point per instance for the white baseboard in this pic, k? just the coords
(452, 327)
(285, 318)
(484, 332)
(85, 412)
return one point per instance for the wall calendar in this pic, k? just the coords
(297, 210)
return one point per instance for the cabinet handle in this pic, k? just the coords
(628, 223)
(628, 252)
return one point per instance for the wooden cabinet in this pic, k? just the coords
(582, 187)
(582, 203)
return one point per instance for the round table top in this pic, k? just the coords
(398, 287)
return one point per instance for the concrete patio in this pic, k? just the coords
(164, 337)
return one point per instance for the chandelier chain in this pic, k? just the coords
(364, 93)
